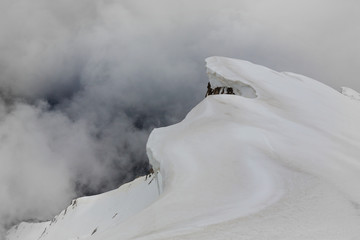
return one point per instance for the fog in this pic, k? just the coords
(82, 83)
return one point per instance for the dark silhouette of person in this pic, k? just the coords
(209, 90)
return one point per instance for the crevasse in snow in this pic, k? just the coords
(279, 160)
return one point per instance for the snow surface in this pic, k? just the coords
(280, 160)
(350, 93)
(95, 213)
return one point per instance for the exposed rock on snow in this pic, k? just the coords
(279, 160)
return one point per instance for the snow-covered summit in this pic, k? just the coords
(278, 160)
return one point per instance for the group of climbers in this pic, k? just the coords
(218, 90)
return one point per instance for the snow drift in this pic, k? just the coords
(278, 160)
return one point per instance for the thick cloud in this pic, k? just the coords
(83, 82)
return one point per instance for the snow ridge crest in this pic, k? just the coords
(219, 84)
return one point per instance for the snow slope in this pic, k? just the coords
(279, 160)
(88, 215)
(350, 93)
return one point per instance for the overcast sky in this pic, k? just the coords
(82, 83)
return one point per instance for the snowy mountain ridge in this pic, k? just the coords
(87, 215)
(280, 159)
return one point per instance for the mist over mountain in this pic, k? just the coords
(83, 83)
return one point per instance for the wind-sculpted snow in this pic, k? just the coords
(240, 86)
(280, 163)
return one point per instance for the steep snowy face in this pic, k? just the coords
(315, 127)
(281, 163)
(280, 159)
